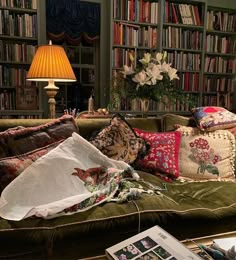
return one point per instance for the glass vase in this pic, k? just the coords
(144, 105)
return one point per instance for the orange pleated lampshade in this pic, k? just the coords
(50, 62)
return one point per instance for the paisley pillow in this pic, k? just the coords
(119, 141)
(206, 156)
(163, 156)
(211, 118)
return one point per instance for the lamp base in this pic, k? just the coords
(51, 91)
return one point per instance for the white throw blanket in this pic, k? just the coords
(47, 187)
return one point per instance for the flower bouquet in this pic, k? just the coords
(152, 79)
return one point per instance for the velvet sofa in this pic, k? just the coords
(184, 209)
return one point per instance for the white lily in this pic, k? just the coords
(140, 78)
(154, 73)
(158, 57)
(146, 59)
(165, 67)
(172, 73)
(127, 70)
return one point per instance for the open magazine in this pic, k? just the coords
(153, 243)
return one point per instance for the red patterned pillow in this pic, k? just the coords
(11, 167)
(162, 158)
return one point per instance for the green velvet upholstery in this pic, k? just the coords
(86, 126)
(186, 210)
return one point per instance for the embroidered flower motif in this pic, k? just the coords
(204, 156)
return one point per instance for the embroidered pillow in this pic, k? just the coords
(11, 167)
(206, 156)
(211, 118)
(118, 141)
(18, 141)
(162, 158)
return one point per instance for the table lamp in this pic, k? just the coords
(50, 63)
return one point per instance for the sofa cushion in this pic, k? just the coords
(162, 158)
(119, 141)
(170, 120)
(18, 141)
(206, 156)
(11, 167)
(210, 118)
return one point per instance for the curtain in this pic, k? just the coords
(72, 20)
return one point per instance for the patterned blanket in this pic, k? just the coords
(73, 177)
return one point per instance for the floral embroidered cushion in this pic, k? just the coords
(22, 140)
(206, 156)
(211, 118)
(11, 167)
(163, 156)
(118, 141)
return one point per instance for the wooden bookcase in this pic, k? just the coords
(179, 27)
(220, 57)
(19, 38)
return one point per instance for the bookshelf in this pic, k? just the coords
(183, 39)
(19, 38)
(134, 31)
(180, 27)
(83, 57)
(220, 57)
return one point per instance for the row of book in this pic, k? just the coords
(219, 44)
(29, 4)
(136, 10)
(222, 21)
(10, 76)
(175, 37)
(182, 13)
(162, 106)
(184, 61)
(188, 82)
(220, 100)
(18, 116)
(120, 57)
(220, 65)
(14, 24)
(218, 85)
(131, 35)
(7, 100)
(16, 52)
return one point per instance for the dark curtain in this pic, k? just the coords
(72, 20)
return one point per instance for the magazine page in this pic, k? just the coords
(154, 243)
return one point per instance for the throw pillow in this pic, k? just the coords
(162, 158)
(11, 167)
(119, 141)
(206, 156)
(18, 141)
(211, 118)
(170, 120)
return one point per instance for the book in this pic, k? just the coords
(153, 243)
(225, 243)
